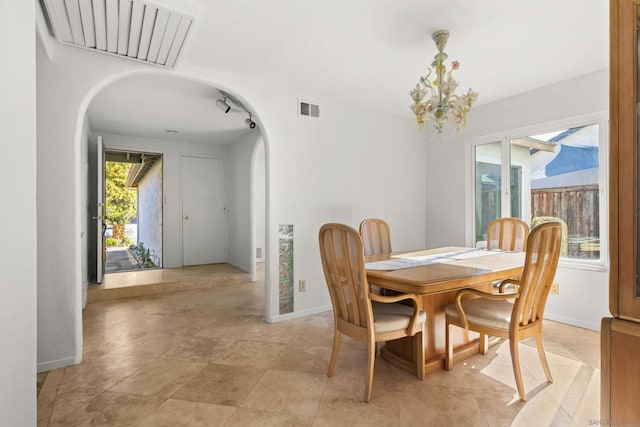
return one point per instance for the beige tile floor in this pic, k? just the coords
(157, 281)
(207, 358)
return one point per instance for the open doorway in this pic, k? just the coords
(132, 224)
(133, 117)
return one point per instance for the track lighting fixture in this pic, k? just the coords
(222, 104)
(225, 106)
(250, 122)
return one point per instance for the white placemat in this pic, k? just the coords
(399, 262)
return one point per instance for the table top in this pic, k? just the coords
(447, 276)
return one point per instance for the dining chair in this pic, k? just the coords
(564, 246)
(357, 312)
(376, 239)
(517, 314)
(507, 234)
(376, 236)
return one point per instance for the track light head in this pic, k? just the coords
(222, 104)
(250, 121)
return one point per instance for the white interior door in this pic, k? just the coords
(100, 255)
(203, 211)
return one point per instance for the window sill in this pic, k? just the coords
(577, 264)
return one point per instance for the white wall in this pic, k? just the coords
(239, 156)
(84, 210)
(347, 165)
(259, 200)
(172, 152)
(18, 256)
(334, 168)
(583, 294)
(150, 212)
(62, 92)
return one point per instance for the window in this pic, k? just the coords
(553, 172)
(488, 187)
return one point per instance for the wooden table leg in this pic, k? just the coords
(401, 353)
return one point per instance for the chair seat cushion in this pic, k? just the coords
(485, 312)
(392, 317)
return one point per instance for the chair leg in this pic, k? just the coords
(371, 357)
(334, 353)
(448, 358)
(515, 361)
(484, 343)
(419, 342)
(543, 357)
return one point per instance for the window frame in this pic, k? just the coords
(599, 118)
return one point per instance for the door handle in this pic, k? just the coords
(186, 217)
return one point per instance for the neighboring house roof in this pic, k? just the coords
(139, 170)
(571, 159)
(566, 133)
(575, 162)
(571, 179)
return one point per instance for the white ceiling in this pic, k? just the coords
(368, 51)
(150, 105)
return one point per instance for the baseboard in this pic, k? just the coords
(55, 364)
(299, 314)
(581, 323)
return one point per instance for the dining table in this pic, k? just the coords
(435, 276)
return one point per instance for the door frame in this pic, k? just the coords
(100, 224)
(162, 195)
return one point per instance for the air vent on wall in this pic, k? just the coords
(308, 109)
(152, 31)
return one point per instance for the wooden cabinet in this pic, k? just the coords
(620, 382)
(624, 297)
(620, 352)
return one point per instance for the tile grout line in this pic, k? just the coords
(578, 388)
(64, 373)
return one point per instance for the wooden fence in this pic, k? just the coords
(579, 207)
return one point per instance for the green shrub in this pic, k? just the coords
(110, 242)
(143, 254)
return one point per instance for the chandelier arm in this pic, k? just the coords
(439, 75)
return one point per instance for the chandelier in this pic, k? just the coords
(442, 105)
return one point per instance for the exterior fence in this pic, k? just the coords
(578, 206)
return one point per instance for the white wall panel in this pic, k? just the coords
(18, 195)
(239, 157)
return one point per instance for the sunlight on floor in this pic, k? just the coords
(574, 393)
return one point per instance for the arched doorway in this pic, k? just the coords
(242, 242)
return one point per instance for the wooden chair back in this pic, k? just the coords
(376, 236)
(564, 248)
(344, 269)
(507, 234)
(540, 265)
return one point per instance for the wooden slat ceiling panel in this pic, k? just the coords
(133, 29)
